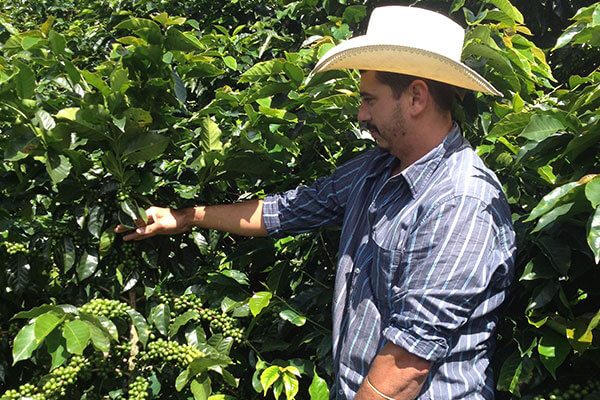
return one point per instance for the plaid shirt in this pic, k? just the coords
(425, 260)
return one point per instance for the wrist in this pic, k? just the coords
(187, 218)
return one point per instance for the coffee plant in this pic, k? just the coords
(107, 107)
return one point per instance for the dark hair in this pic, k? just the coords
(442, 93)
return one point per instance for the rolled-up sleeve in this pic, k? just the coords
(308, 208)
(456, 266)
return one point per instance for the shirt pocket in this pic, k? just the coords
(384, 276)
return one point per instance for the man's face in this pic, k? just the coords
(381, 112)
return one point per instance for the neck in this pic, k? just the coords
(424, 137)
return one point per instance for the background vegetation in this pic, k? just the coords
(109, 106)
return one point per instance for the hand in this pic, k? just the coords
(161, 221)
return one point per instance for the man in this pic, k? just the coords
(427, 247)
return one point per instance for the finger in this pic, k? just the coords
(122, 228)
(140, 233)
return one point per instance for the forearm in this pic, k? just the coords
(395, 373)
(240, 218)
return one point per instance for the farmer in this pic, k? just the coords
(427, 247)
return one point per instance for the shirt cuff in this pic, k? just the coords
(418, 342)
(270, 214)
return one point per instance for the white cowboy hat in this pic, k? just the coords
(411, 41)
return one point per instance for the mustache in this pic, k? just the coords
(366, 126)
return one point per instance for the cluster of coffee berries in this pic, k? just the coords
(574, 391)
(122, 195)
(59, 231)
(26, 390)
(169, 351)
(128, 255)
(222, 322)
(62, 377)
(187, 302)
(138, 389)
(14, 248)
(106, 308)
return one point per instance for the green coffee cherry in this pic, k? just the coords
(106, 308)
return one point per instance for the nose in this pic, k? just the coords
(364, 115)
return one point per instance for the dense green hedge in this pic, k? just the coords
(107, 107)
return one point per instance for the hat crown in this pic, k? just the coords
(418, 28)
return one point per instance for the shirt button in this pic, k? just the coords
(341, 392)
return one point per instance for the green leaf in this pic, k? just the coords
(87, 264)
(509, 125)
(593, 234)
(182, 320)
(145, 147)
(200, 387)
(106, 240)
(293, 317)
(568, 35)
(182, 379)
(354, 14)
(45, 119)
(553, 350)
(592, 191)
(179, 87)
(140, 325)
(210, 135)
(262, 70)
(268, 377)
(24, 80)
(290, 384)
(45, 324)
(557, 251)
(259, 301)
(318, 389)
(554, 215)
(37, 311)
(77, 334)
(293, 72)
(69, 253)
(541, 127)
(95, 220)
(542, 295)
(278, 114)
(160, 316)
(96, 81)
(236, 275)
(57, 348)
(100, 339)
(58, 167)
(515, 371)
(508, 9)
(550, 200)
(25, 343)
(230, 62)
(145, 28)
(58, 44)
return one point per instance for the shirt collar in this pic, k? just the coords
(419, 173)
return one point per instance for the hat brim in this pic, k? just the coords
(362, 54)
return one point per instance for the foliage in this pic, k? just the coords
(129, 103)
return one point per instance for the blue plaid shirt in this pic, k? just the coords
(425, 260)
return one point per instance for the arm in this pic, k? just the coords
(241, 218)
(395, 373)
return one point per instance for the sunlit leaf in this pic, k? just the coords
(25, 344)
(293, 317)
(77, 335)
(593, 234)
(259, 301)
(553, 350)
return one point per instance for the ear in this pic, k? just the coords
(419, 97)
